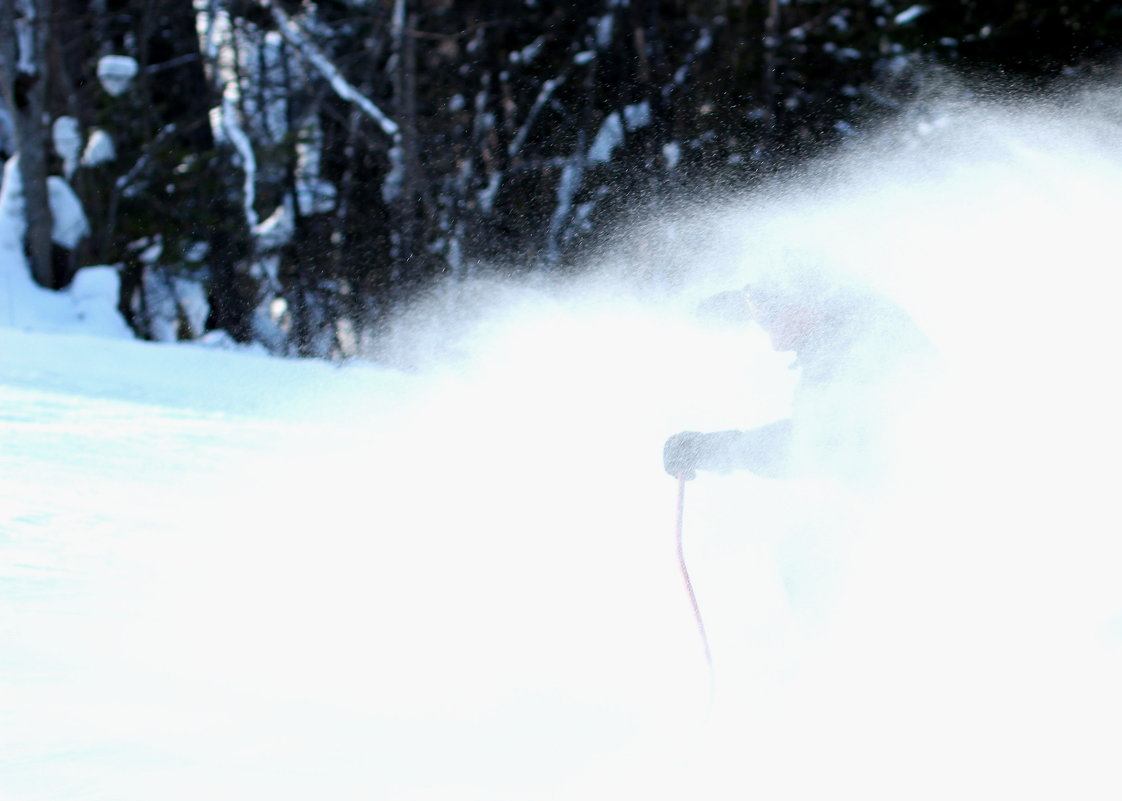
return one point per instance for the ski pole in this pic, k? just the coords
(686, 574)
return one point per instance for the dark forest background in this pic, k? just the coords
(287, 172)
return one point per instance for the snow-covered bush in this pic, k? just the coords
(116, 73)
(68, 219)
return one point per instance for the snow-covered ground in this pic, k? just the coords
(234, 576)
(227, 576)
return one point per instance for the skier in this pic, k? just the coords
(858, 355)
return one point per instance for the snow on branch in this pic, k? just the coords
(296, 37)
(547, 90)
(125, 181)
(240, 140)
(26, 23)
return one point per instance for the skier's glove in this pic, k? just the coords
(681, 454)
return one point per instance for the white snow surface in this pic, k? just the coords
(228, 576)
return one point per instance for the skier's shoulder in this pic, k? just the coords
(884, 337)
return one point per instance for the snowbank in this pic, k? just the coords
(88, 306)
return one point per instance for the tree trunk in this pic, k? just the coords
(770, 77)
(24, 79)
(407, 259)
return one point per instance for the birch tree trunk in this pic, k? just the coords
(24, 79)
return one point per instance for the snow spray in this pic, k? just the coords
(378, 583)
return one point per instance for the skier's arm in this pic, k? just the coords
(763, 451)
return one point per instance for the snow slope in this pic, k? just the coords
(227, 576)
